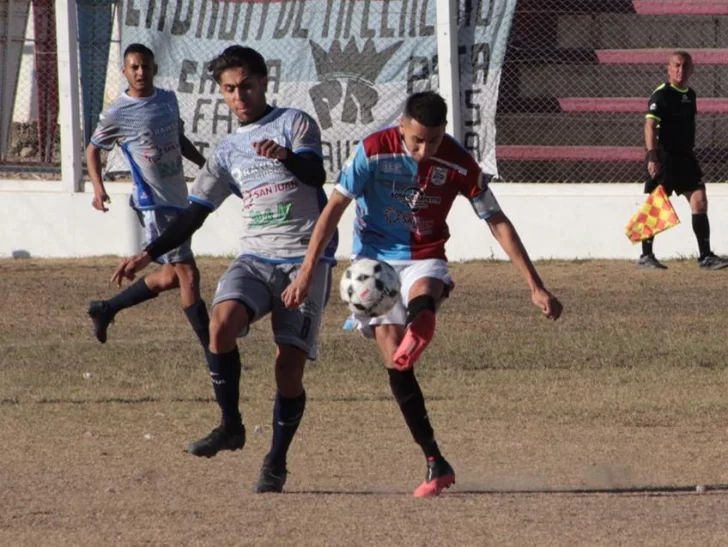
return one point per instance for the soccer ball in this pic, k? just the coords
(370, 287)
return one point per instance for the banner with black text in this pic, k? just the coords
(348, 63)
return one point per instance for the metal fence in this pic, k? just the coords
(570, 108)
(29, 110)
(576, 81)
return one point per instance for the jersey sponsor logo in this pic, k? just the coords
(270, 217)
(685, 99)
(270, 189)
(415, 198)
(165, 129)
(417, 225)
(653, 107)
(170, 169)
(392, 168)
(438, 176)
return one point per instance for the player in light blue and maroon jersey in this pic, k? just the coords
(404, 180)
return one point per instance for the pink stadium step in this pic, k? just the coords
(519, 152)
(680, 7)
(632, 104)
(658, 56)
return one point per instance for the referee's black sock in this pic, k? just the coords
(411, 402)
(200, 322)
(647, 246)
(225, 375)
(287, 414)
(701, 227)
(134, 294)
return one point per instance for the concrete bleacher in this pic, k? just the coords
(577, 77)
(680, 7)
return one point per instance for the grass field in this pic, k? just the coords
(593, 430)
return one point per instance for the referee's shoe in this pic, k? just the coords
(712, 262)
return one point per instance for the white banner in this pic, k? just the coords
(348, 63)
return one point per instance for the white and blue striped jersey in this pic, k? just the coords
(279, 212)
(147, 129)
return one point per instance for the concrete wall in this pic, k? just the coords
(565, 221)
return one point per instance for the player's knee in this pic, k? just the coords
(289, 383)
(168, 279)
(223, 332)
(290, 364)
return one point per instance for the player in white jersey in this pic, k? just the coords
(273, 162)
(144, 122)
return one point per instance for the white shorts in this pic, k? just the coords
(410, 271)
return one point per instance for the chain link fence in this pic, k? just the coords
(570, 107)
(28, 115)
(576, 81)
(29, 131)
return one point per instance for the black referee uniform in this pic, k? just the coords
(674, 109)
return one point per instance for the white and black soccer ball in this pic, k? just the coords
(370, 287)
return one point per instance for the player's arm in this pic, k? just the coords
(303, 160)
(93, 164)
(295, 294)
(306, 167)
(505, 233)
(107, 133)
(655, 111)
(190, 151)
(653, 161)
(476, 187)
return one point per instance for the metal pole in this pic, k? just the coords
(447, 63)
(68, 95)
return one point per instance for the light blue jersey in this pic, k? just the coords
(401, 204)
(279, 212)
(148, 129)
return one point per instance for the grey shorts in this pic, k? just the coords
(154, 222)
(259, 284)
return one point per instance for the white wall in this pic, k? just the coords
(564, 221)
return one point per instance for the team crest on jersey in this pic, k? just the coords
(438, 176)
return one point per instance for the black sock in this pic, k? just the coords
(287, 414)
(411, 402)
(200, 322)
(134, 294)
(419, 304)
(647, 246)
(701, 227)
(225, 374)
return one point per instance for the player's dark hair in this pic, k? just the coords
(140, 49)
(238, 57)
(685, 55)
(428, 108)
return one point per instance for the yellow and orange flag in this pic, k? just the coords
(656, 215)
